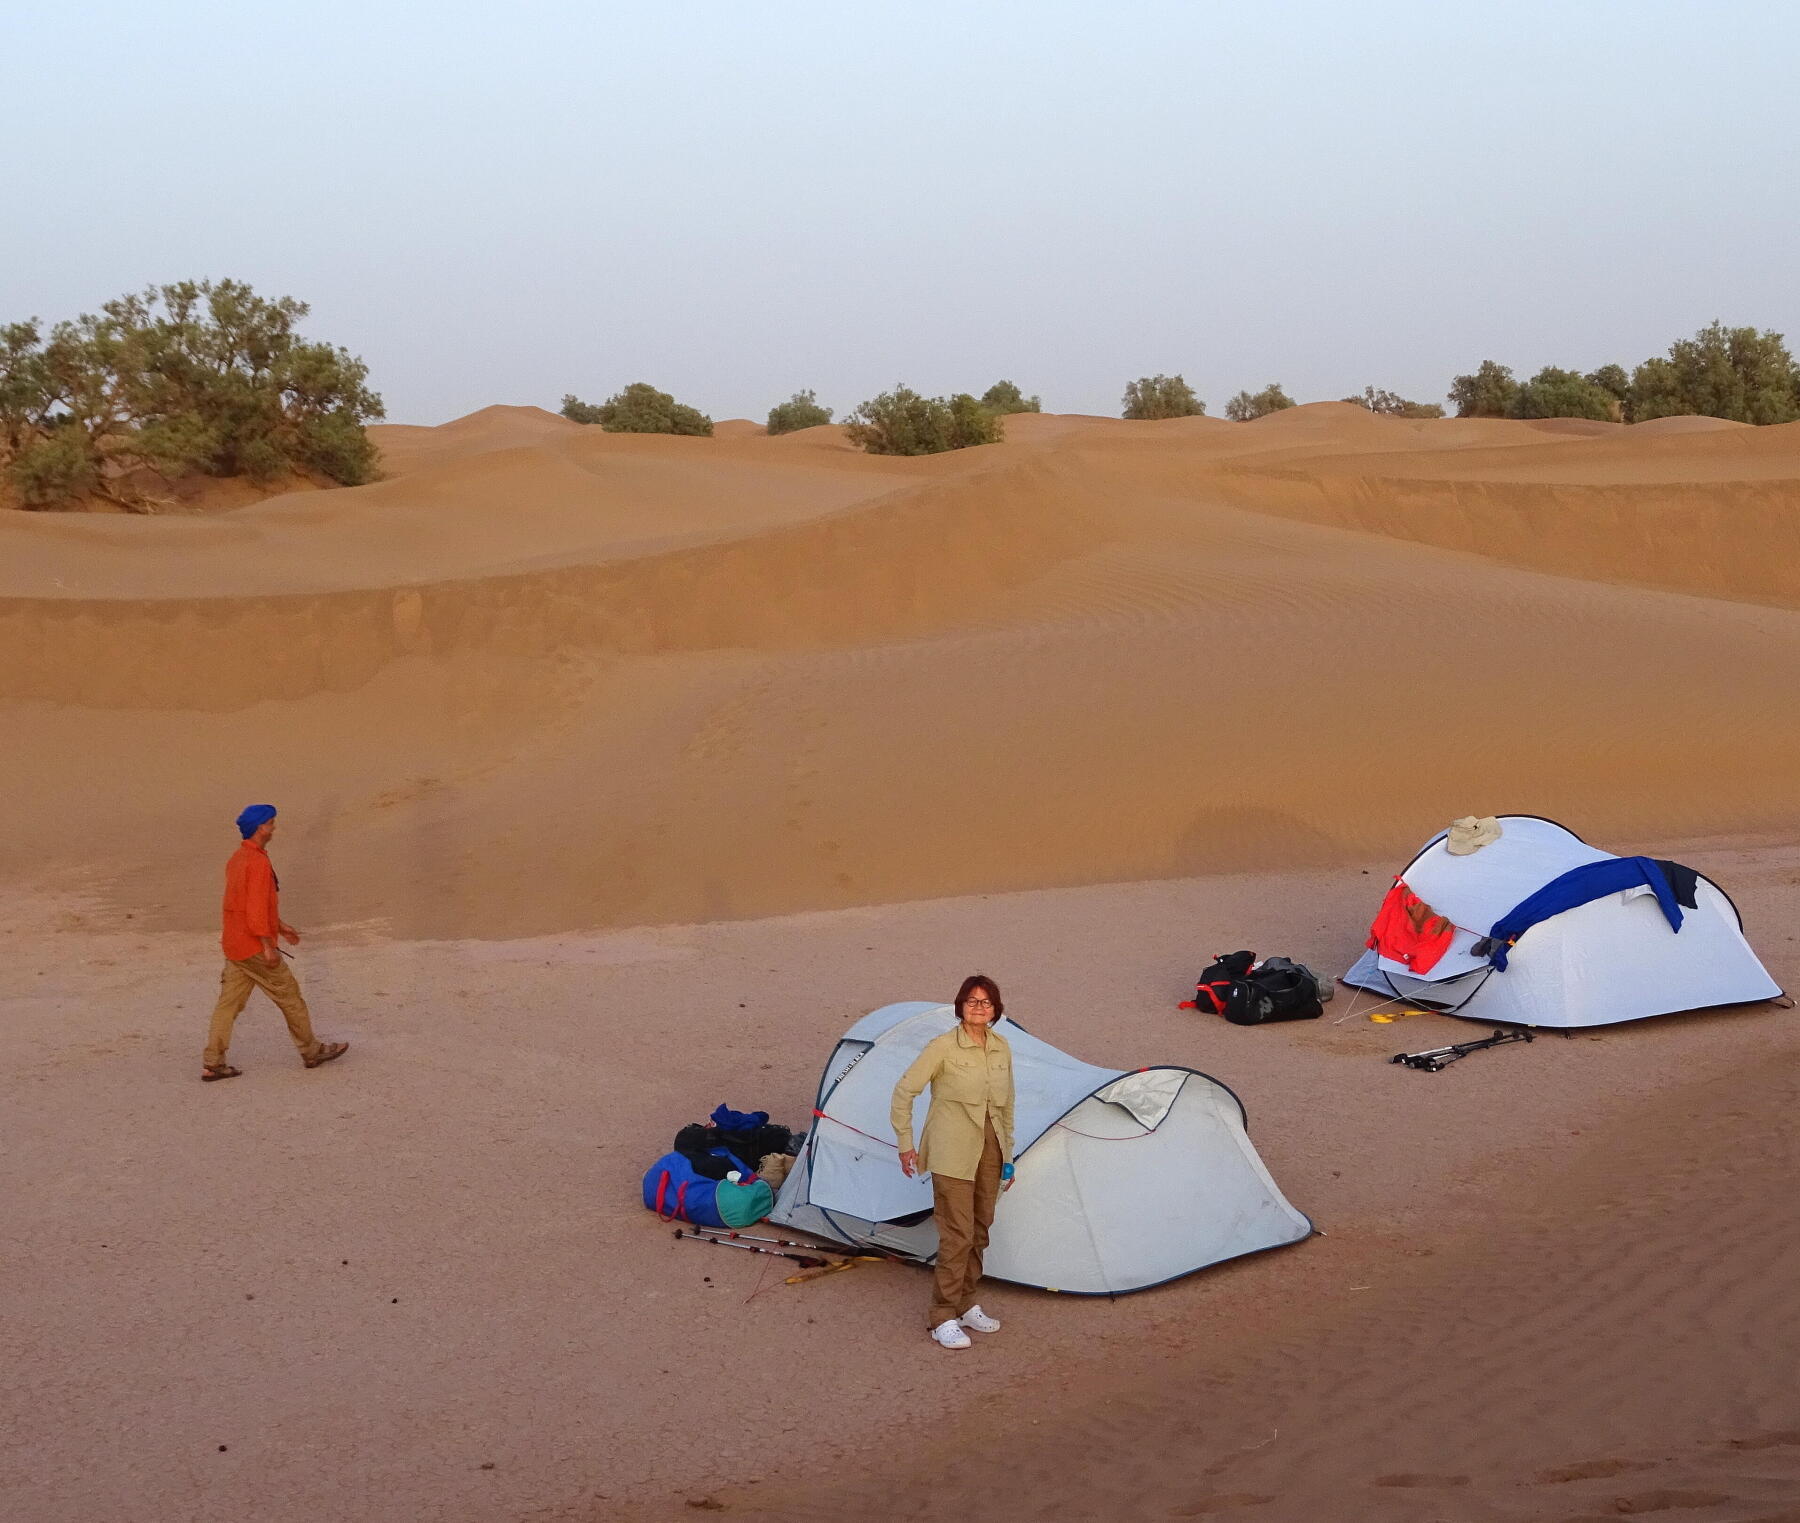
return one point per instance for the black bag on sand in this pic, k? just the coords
(1246, 995)
(1213, 992)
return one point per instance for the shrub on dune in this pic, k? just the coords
(639, 409)
(1615, 381)
(1161, 396)
(1392, 404)
(1245, 408)
(901, 422)
(1004, 397)
(1555, 393)
(198, 378)
(1490, 392)
(801, 410)
(1720, 372)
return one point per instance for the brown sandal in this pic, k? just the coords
(326, 1053)
(212, 1071)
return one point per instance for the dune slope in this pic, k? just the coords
(544, 677)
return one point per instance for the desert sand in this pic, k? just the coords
(618, 774)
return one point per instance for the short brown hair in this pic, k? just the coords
(979, 981)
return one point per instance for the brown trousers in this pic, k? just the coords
(964, 1209)
(237, 983)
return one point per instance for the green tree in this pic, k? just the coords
(1004, 397)
(801, 410)
(1489, 393)
(578, 411)
(1614, 380)
(1245, 408)
(901, 422)
(199, 377)
(24, 386)
(1736, 373)
(1393, 405)
(640, 409)
(1161, 396)
(1554, 393)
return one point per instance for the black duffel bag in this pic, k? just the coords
(1248, 995)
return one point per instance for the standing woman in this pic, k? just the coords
(966, 1148)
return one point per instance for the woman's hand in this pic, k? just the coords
(909, 1164)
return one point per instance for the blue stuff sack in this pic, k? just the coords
(676, 1193)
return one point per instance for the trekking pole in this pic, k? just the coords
(805, 1260)
(722, 1233)
(750, 1237)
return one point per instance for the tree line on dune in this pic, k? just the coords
(205, 379)
(1741, 374)
(897, 422)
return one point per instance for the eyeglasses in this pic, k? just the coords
(978, 1004)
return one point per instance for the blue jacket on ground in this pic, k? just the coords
(1582, 885)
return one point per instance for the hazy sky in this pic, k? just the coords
(503, 202)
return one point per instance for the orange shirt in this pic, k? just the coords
(251, 895)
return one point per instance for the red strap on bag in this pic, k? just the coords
(662, 1189)
(1210, 993)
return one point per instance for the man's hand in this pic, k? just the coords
(289, 934)
(909, 1164)
(270, 953)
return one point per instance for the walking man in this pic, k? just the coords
(252, 959)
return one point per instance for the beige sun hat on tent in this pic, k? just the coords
(1471, 833)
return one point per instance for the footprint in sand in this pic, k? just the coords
(1221, 1503)
(1662, 1501)
(1590, 1471)
(1420, 1480)
(1766, 1440)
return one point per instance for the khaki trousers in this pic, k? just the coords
(964, 1209)
(237, 983)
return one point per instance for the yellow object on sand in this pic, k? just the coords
(1394, 1015)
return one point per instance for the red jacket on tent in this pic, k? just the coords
(1408, 930)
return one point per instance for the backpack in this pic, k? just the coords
(1248, 994)
(676, 1191)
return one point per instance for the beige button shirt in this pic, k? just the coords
(971, 1084)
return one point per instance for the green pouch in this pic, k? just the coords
(743, 1205)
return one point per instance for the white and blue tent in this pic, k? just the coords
(1614, 958)
(1124, 1179)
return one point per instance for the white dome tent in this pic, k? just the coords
(1124, 1180)
(1615, 958)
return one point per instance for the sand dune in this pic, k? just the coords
(407, 447)
(746, 675)
(1195, 683)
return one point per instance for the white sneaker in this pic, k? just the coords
(978, 1321)
(950, 1335)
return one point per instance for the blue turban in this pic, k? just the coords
(253, 818)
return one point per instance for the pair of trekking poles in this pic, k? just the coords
(780, 1248)
(1434, 1059)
